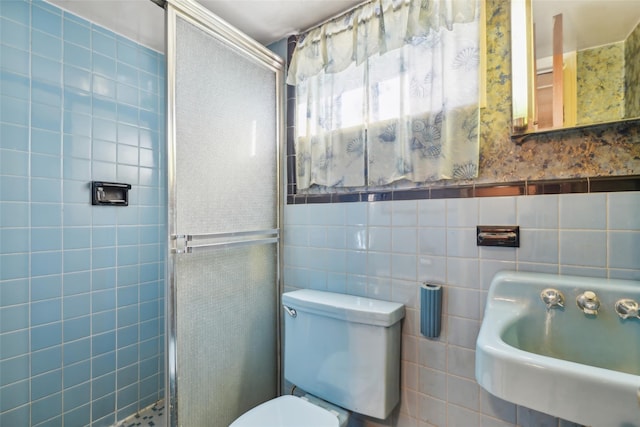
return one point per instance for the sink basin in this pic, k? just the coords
(561, 361)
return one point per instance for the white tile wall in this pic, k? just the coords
(385, 250)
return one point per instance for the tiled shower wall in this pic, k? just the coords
(81, 286)
(385, 250)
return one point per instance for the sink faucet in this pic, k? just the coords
(627, 308)
(552, 298)
(588, 302)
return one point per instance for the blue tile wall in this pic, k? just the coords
(81, 287)
(385, 250)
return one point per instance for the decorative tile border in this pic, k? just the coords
(521, 188)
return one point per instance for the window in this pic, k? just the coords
(388, 94)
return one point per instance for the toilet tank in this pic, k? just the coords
(344, 349)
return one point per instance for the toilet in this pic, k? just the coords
(344, 352)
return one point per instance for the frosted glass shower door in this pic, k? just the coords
(223, 288)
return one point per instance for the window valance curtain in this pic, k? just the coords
(388, 92)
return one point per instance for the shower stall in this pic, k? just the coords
(107, 309)
(224, 131)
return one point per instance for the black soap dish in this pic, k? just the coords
(110, 193)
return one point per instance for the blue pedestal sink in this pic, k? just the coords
(579, 366)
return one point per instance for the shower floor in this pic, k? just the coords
(153, 415)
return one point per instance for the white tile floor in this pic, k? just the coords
(154, 415)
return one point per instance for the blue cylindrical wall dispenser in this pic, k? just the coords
(430, 310)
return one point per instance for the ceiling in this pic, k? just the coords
(266, 21)
(586, 23)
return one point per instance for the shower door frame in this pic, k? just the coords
(206, 21)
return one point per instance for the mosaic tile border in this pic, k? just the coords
(520, 188)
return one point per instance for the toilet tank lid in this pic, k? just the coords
(350, 308)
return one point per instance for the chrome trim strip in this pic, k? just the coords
(224, 245)
(198, 15)
(171, 327)
(190, 237)
(281, 194)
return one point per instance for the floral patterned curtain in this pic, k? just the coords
(388, 92)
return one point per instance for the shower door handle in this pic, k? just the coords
(186, 243)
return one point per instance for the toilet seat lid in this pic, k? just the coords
(287, 411)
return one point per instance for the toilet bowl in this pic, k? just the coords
(293, 411)
(341, 350)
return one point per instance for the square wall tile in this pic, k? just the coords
(76, 396)
(75, 32)
(14, 60)
(14, 318)
(497, 253)
(379, 239)
(46, 360)
(461, 242)
(404, 240)
(462, 212)
(14, 344)
(14, 292)
(46, 336)
(540, 211)
(75, 329)
(356, 213)
(463, 272)
(78, 416)
(18, 11)
(103, 44)
(433, 383)
(378, 264)
(539, 246)
(14, 395)
(463, 392)
(15, 34)
(76, 305)
(46, 190)
(404, 213)
(432, 241)
(583, 211)
(432, 269)
(489, 268)
(497, 211)
(583, 248)
(432, 213)
(624, 249)
(46, 20)
(14, 240)
(14, 266)
(623, 211)
(43, 312)
(13, 370)
(47, 409)
(404, 267)
(379, 213)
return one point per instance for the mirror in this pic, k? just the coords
(574, 63)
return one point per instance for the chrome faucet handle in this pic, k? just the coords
(552, 298)
(627, 308)
(588, 302)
